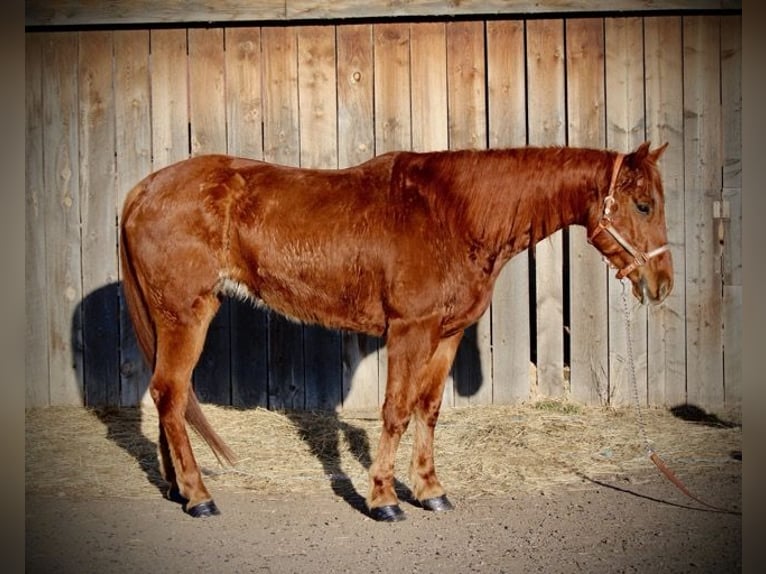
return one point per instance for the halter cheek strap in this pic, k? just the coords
(606, 224)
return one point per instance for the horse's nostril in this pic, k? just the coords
(665, 287)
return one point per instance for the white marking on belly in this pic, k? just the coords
(238, 290)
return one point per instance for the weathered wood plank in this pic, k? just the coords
(62, 218)
(244, 106)
(589, 325)
(506, 101)
(546, 113)
(429, 106)
(281, 144)
(207, 99)
(731, 99)
(133, 142)
(428, 53)
(703, 182)
(310, 9)
(626, 129)
(666, 345)
(36, 371)
(98, 209)
(393, 129)
(76, 12)
(731, 264)
(169, 97)
(207, 122)
(466, 84)
(317, 98)
(168, 132)
(356, 142)
(244, 117)
(732, 300)
(356, 136)
(280, 96)
(393, 126)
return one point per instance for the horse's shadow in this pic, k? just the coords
(114, 381)
(328, 452)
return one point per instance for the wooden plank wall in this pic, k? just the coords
(106, 107)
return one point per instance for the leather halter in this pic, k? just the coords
(606, 224)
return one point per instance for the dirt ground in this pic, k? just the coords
(535, 490)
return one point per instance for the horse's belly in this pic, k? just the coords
(337, 307)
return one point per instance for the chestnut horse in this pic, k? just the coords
(406, 246)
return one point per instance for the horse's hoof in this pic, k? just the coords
(390, 513)
(437, 503)
(207, 508)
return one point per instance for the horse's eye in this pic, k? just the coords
(643, 208)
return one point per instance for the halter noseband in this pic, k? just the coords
(605, 224)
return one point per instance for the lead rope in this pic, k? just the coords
(653, 456)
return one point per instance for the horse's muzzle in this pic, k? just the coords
(653, 292)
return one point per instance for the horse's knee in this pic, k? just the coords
(396, 418)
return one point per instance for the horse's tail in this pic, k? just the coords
(196, 419)
(143, 325)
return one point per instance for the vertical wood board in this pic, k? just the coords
(244, 134)
(356, 132)
(36, 344)
(62, 217)
(506, 101)
(626, 129)
(207, 129)
(133, 142)
(281, 144)
(731, 264)
(244, 105)
(589, 325)
(393, 127)
(169, 97)
(393, 121)
(100, 305)
(317, 100)
(428, 49)
(703, 183)
(546, 119)
(466, 83)
(666, 345)
(356, 137)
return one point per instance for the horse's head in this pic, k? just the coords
(628, 225)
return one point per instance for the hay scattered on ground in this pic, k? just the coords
(479, 450)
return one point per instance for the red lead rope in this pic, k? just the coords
(653, 456)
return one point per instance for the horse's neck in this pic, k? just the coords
(535, 194)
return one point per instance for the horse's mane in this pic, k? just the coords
(493, 195)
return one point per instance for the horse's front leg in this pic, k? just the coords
(410, 345)
(426, 486)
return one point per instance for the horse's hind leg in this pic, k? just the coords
(179, 346)
(426, 486)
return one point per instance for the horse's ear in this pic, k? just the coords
(640, 154)
(657, 154)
